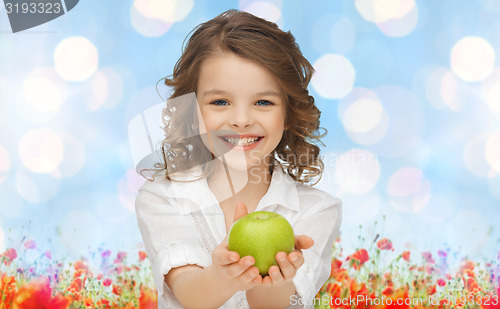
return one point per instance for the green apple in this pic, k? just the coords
(261, 234)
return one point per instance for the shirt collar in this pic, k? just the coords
(282, 191)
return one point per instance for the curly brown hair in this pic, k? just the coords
(264, 43)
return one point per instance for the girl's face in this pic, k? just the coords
(242, 110)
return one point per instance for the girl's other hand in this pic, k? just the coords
(229, 269)
(288, 264)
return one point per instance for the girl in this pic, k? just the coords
(239, 129)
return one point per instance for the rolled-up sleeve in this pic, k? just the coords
(322, 224)
(170, 238)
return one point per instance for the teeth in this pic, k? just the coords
(244, 141)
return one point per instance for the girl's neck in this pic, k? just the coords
(231, 186)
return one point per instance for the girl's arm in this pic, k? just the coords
(211, 287)
(194, 287)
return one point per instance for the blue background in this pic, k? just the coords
(429, 180)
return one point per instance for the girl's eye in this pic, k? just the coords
(264, 103)
(220, 102)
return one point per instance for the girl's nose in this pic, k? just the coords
(241, 118)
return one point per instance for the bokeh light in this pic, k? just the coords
(382, 11)
(357, 171)
(442, 88)
(42, 94)
(76, 58)
(492, 151)
(41, 150)
(4, 164)
(166, 11)
(363, 116)
(148, 27)
(265, 10)
(408, 90)
(405, 121)
(334, 76)
(475, 156)
(472, 59)
(106, 89)
(399, 27)
(409, 190)
(490, 92)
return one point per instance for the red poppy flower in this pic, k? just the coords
(38, 295)
(142, 256)
(406, 255)
(9, 255)
(384, 244)
(358, 258)
(148, 299)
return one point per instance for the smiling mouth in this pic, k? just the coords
(243, 141)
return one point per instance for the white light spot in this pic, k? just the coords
(146, 26)
(379, 11)
(490, 92)
(472, 59)
(4, 164)
(76, 58)
(357, 171)
(43, 93)
(265, 10)
(400, 27)
(363, 115)
(475, 157)
(492, 151)
(41, 150)
(166, 11)
(334, 76)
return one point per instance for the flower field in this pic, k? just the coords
(371, 277)
(116, 281)
(377, 277)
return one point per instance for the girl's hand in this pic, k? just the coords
(233, 272)
(288, 264)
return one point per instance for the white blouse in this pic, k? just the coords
(182, 222)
